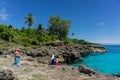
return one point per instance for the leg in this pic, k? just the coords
(15, 61)
(18, 61)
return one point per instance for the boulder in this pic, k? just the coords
(58, 43)
(118, 75)
(44, 60)
(85, 70)
(38, 52)
(6, 75)
(71, 57)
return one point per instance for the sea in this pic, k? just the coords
(107, 63)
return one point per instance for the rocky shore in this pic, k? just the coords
(64, 54)
(35, 64)
(29, 70)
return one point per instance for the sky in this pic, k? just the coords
(92, 20)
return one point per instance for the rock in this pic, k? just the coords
(71, 57)
(30, 59)
(64, 53)
(118, 75)
(1, 52)
(38, 52)
(23, 50)
(98, 49)
(85, 70)
(61, 59)
(6, 75)
(58, 43)
(44, 60)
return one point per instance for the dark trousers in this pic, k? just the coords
(52, 61)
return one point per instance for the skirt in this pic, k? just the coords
(17, 61)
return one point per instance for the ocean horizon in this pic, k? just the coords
(106, 63)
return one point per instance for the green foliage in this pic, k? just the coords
(67, 41)
(39, 29)
(81, 42)
(2, 47)
(23, 29)
(57, 29)
(29, 48)
(40, 33)
(6, 32)
(10, 26)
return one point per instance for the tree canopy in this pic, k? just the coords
(29, 19)
(58, 27)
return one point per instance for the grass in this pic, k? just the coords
(2, 47)
(29, 48)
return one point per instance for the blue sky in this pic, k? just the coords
(91, 20)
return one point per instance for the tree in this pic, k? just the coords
(58, 27)
(29, 19)
(73, 34)
(23, 29)
(10, 26)
(30, 32)
(39, 29)
(40, 32)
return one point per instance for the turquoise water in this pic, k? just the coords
(108, 63)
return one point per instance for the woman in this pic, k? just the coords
(53, 59)
(57, 63)
(17, 58)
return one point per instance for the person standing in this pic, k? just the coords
(17, 58)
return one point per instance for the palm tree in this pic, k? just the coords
(29, 19)
(73, 34)
(39, 29)
(22, 29)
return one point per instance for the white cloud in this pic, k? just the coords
(101, 24)
(107, 42)
(4, 15)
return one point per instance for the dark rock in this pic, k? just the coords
(64, 53)
(84, 69)
(30, 59)
(6, 75)
(23, 50)
(41, 52)
(71, 57)
(118, 75)
(1, 52)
